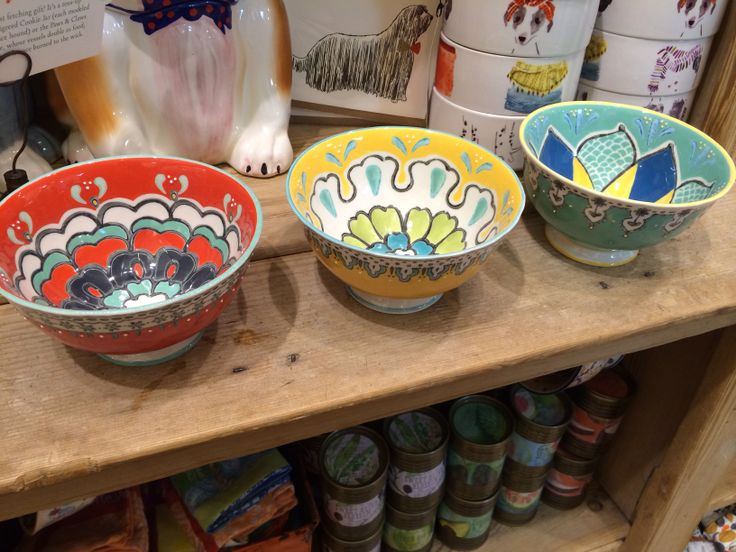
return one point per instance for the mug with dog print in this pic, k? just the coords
(522, 28)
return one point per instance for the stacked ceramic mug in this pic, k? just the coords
(498, 62)
(651, 54)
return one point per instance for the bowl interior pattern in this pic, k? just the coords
(121, 233)
(627, 153)
(404, 192)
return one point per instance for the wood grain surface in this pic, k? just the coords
(294, 356)
(704, 447)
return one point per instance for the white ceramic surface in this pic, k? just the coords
(501, 84)
(498, 133)
(677, 106)
(520, 28)
(178, 85)
(662, 19)
(642, 67)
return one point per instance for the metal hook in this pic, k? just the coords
(15, 178)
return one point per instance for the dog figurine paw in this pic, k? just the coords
(203, 79)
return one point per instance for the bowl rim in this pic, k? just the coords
(633, 202)
(504, 57)
(58, 311)
(487, 243)
(626, 38)
(483, 116)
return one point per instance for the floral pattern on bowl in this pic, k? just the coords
(402, 214)
(610, 179)
(131, 268)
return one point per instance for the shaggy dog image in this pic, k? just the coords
(378, 64)
(528, 17)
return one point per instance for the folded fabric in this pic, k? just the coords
(114, 522)
(218, 493)
(273, 505)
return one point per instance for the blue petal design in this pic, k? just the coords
(419, 144)
(656, 176)
(399, 144)
(325, 197)
(332, 159)
(484, 167)
(397, 240)
(437, 179)
(304, 182)
(421, 247)
(466, 161)
(640, 126)
(480, 210)
(568, 120)
(350, 147)
(378, 248)
(556, 154)
(373, 174)
(300, 197)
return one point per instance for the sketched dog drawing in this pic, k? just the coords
(379, 64)
(694, 11)
(527, 21)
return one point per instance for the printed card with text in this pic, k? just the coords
(52, 32)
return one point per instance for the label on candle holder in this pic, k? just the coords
(52, 32)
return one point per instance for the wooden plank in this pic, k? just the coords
(674, 371)
(294, 356)
(579, 530)
(715, 111)
(677, 495)
(724, 492)
(613, 547)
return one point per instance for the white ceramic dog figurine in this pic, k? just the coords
(202, 79)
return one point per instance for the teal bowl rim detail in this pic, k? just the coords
(120, 313)
(664, 207)
(393, 256)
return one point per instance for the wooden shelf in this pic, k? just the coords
(577, 530)
(724, 493)
(294, 356)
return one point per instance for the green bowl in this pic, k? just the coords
(610, 179)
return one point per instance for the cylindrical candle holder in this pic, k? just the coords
(354, 464)
(518, 499)
(480, 429)
(567, 481)
(464, 524)
(417, 443)
(404, 532)
(599, 408)
(540, 421)
(330, 543)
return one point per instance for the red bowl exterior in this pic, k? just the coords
(41, 223)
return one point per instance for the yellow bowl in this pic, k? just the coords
(403, 214)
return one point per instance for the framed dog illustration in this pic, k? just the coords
(365, 58)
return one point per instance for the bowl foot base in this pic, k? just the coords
(588, 254)
(150, 358)
(391, 305)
